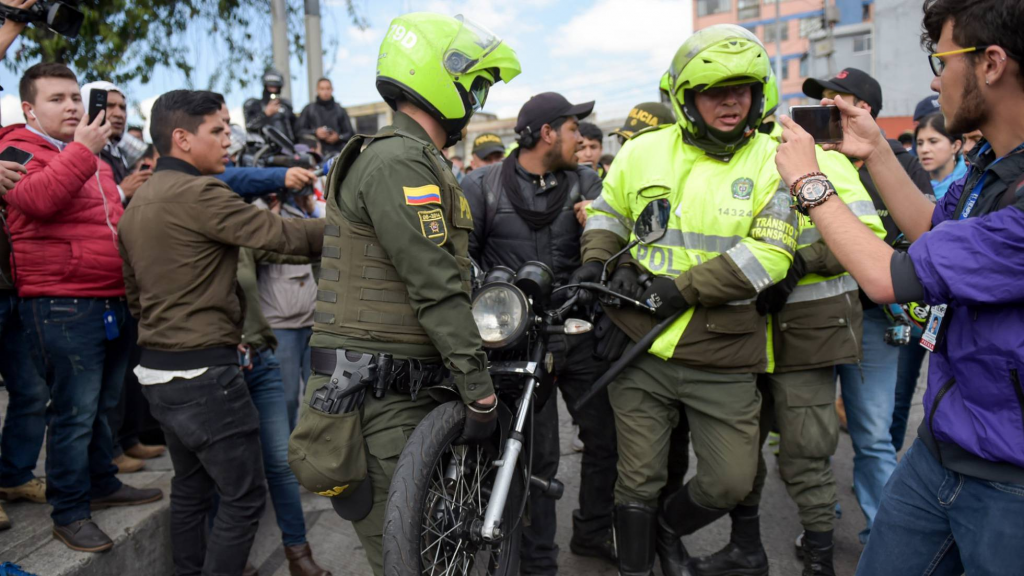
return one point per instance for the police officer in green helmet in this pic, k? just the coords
(731, 234)
(393, 300)
(816, 324)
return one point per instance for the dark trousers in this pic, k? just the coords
(593, 520)
(911, 357)
(212, 432)
(127, 418)
(25, 421)
(84, 371)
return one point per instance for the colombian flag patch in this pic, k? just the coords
(422, 195)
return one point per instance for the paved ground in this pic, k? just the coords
(143, 541)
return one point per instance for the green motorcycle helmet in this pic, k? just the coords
(443, 65)
(771, 96)
(718, 56)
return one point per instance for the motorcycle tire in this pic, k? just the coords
(439, 490)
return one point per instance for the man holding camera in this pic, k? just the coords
(954, 503)
(63, 217)
(522, 211)
(271, 109)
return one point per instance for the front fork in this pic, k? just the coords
(490, 530)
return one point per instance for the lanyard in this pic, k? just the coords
(972, 199)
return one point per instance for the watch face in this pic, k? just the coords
(812, 190)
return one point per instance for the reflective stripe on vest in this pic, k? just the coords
(824, 289)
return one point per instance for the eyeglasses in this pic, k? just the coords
(938, 65)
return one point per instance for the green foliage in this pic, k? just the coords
(124, 40)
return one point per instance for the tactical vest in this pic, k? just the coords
(360, 293)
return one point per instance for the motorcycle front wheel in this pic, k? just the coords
(437, 501)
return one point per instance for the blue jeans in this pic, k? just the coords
(25, 426)
(293, 354)
(869, 394)
(936, 522)
(84, 372)
(911, 357)
(267, 392)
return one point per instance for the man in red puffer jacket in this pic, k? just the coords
(62, 217)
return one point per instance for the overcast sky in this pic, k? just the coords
(611, 51)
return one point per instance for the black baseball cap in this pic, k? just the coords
(849, 81)
(486, 144)
(547, 107)
(926, 107)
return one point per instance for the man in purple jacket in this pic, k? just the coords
(955, 503)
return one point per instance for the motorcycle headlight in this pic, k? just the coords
(501, 313)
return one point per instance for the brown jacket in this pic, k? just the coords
(179, 240)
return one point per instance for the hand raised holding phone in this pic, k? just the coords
(93, 135)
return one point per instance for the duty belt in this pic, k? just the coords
(402, 376)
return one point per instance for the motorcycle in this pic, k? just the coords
(457, 509)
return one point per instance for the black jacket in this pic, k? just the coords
(501, 238)
(328, 113)
(255, 119)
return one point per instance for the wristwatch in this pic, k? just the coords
(813, 191)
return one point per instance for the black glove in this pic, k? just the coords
(611, 340)
(774, 298)
(480, 423)
(589, 272)
(625, 281)
(664, 297)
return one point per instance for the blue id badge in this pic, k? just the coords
(110, 324)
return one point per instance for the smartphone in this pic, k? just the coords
(824, 123)
(17, 155)
(144, 167)
(97, 104)
(274, 96)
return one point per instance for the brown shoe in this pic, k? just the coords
(250, 570)
(5, 522)
(300, 561)
(34, 490)
(127, 496)
(84, 536)
(144, 452)
(126, 464)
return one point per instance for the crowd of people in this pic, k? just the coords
(174, 300)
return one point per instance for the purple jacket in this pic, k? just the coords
(974, 405)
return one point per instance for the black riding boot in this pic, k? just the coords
(744, 555)
(818, 554)
(685, 516)
(635, 532)
(671, 552)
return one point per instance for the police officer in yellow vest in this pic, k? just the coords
(816, 321)
(395, 279)
(731, 235)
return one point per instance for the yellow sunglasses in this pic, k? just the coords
(935, 60)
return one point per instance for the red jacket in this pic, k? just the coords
(63, 229)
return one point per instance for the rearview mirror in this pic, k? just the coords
(653, 221)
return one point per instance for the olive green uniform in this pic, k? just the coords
(819, 328)
(395, 279)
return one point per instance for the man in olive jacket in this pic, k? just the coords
(179, 241)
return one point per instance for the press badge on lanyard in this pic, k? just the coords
(110, 324)
(933, 329)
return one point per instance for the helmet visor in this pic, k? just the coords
(478, 92)
(471, 44)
